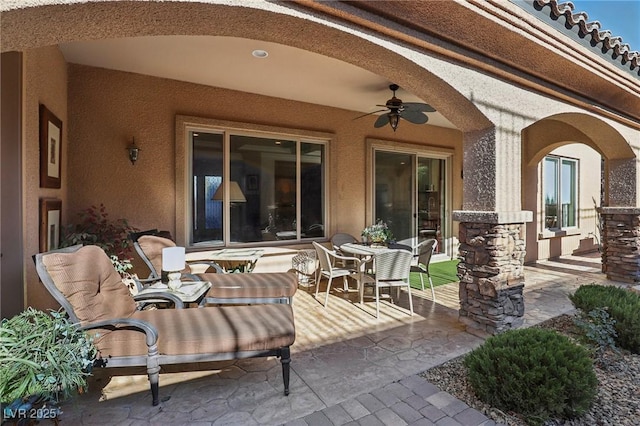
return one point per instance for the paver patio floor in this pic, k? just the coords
(346, 365)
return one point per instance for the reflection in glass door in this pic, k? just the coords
(410, 196)
(431, 200)
(394, 193)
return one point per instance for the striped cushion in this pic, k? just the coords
(207, 330)
(90, 283)
(264, 284)
(152, 248)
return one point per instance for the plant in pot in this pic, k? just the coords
(95, 227)
(44, 359)
(378, 234)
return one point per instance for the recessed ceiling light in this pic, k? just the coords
(259, 53)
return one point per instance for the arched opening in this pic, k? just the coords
(570, 162)
(30, 29)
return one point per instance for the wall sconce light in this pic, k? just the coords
(134, 151)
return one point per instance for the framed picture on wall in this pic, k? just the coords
(50, 149)
(50, 215)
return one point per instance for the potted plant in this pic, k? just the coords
(377, 234)
(44, 359)
(95, 227)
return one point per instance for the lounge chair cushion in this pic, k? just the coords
(189, 331)
(226, 286)
(89, 281)
(152, 247)
(251, 285)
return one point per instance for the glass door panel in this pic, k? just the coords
(411, 197)
(394, 189)
(431, 199)
(207, 221)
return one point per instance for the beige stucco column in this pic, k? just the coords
(621, 187)
(492, 245)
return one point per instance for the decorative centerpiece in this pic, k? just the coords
(377, 235)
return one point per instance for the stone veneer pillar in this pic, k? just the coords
(491, 270)
(620, 241)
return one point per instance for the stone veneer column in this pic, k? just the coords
(620, 241)
(491, 270)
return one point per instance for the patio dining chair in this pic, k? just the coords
(425, 251)
(339, 239)
(328, 269)
(226, 288)
(392, 270)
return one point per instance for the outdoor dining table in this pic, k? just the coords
(362, 249)
(230, 260)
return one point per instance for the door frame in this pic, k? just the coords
(373, 145)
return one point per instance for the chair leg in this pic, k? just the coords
(410, 299)
(153, 372)
(422, 280)
(318, 284)
(285, 360)
(433, 292)
(377, 302)
(326, 299)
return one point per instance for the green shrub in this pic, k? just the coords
(599, 329)
(537, 373)
(622, 305)
(44, 355)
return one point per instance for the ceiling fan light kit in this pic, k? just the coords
(414, 112)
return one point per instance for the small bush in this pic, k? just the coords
(539, 374)
(599, 330)
(622, 305)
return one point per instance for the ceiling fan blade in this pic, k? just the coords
(369, 113)
(415, 117)
(416, 106)
(382, 121)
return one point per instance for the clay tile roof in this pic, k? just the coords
(611, 45)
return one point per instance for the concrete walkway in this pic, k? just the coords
(347, 367)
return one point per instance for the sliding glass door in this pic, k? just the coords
(394, 189)
(411, 194)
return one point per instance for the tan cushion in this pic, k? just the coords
(152, 246)
(263, 284)
(90, 283)
(207, 330)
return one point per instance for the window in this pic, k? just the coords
(560, 192)
(276, 187)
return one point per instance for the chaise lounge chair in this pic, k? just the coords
(264, 287)
(83, 280)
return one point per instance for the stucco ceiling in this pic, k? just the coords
(227, 62)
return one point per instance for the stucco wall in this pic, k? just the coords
(45, 82)
(108, 108)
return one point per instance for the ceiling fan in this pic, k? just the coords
(395, 109)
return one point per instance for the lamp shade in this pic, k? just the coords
(235, 193)
(173, 258)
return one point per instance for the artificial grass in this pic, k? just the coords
(441, 273)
